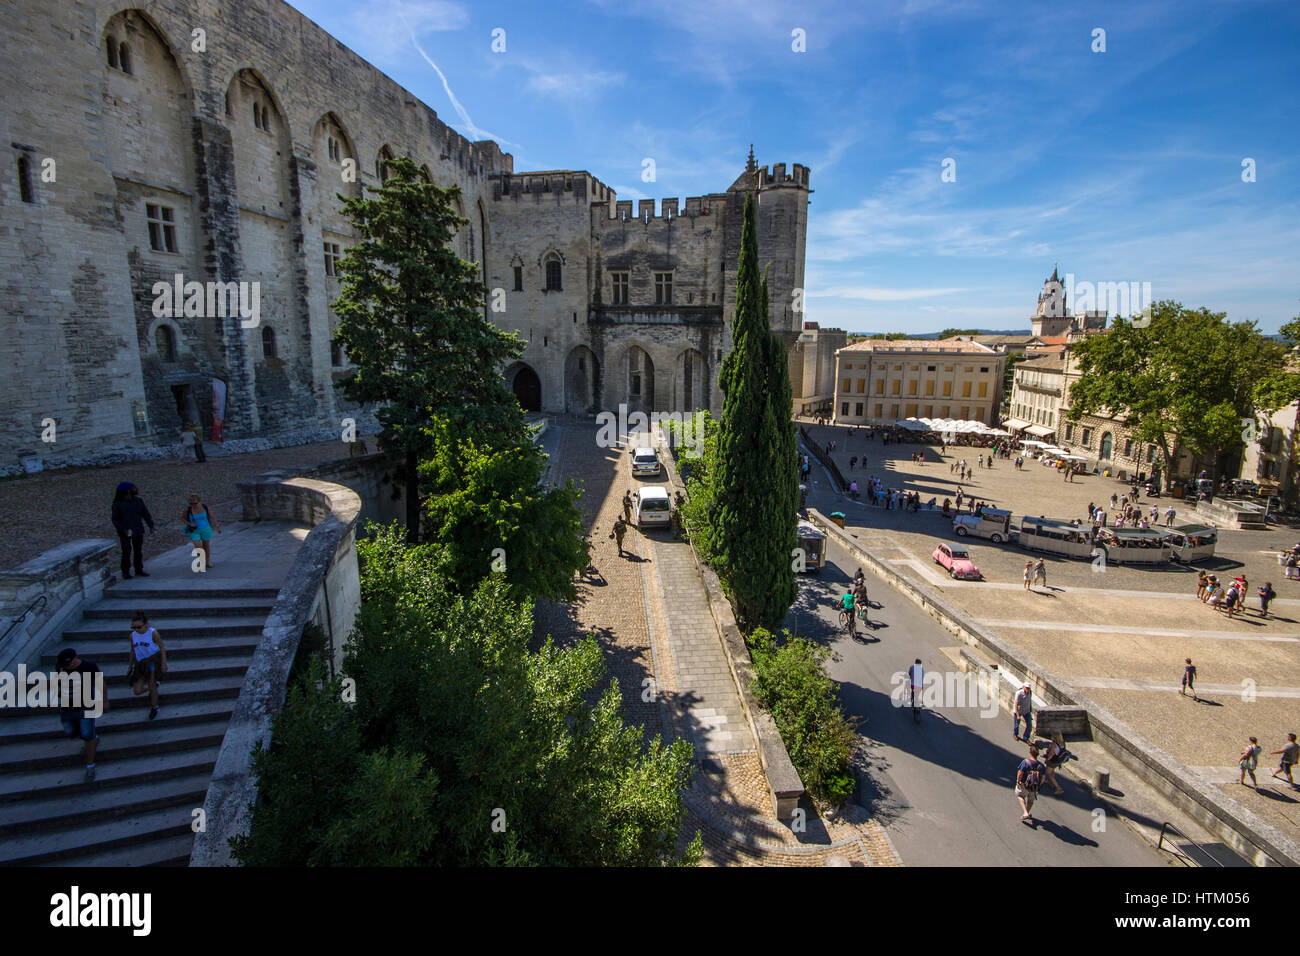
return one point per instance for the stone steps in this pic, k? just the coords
(150, 774)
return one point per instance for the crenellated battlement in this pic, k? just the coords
(776, 176)
(669, 208)
(576, 183)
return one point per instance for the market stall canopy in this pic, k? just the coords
(1017, 423)
(1042, 431)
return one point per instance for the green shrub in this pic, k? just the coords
(791, 682)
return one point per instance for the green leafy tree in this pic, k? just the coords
(753, 520)
(464, 747)
(488, 508)
(412, 323)
(949, 333)
(1189, 373)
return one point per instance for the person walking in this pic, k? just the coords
(73, 716)
(1290, 754)
(1022, 709)
(147, 657)
(1189, 679)
(1292, 573)
(1266, 595)
(199, 525)
(1202, 581)
(1029, 574)
(1040, 571)
(1170, 514)
(1249, 761)
(1053, 759)
(199, 455)
(187, 444)
(675, 519)
(1029, 779)
(130, 515)
(627, 505)
(620, 529)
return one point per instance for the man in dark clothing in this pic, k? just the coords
(75, 722)
(620, 529)
(129, 518)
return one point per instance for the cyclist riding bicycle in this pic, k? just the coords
(847, 607)
(916, 677)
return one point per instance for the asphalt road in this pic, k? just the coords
(943, 788)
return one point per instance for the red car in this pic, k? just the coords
(956, 560)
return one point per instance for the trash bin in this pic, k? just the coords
(838, 518)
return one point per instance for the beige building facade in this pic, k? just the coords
(879, 382)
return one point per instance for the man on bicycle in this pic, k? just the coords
(916, 677)
(846, 604)
(860, 593)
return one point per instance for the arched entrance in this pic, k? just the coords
(580, 377)
(1107, 446)
(526, 386)
(690, 390)
(638, 380)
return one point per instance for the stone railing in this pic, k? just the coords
(322, 587)
(1246, 833)
(68, 578)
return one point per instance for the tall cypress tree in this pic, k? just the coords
(783, 591)
(753, 511)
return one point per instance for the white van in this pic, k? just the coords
(645, 463)
(653, 506)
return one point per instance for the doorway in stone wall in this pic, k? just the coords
(527, 387)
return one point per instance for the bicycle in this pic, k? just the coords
(848, 623)
(916, 704)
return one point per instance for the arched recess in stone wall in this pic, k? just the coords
(581, 375)
(483, 240)
(690, 390)
(336, 155)
(635, 386)
(263, 143)
(526, 385)
(148, 91)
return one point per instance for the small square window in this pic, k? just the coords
(162, 227)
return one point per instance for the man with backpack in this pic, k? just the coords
(1029, 779)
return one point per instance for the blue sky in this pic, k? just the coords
(1123, 165)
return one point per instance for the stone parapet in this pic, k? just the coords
(322, 587)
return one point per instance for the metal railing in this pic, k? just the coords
(21, 617)
(1177, 850)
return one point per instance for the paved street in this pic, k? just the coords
(943, 788)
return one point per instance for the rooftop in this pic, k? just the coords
(919, 345)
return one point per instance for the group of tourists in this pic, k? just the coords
(130, 516)
(1232, 597)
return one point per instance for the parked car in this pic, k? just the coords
(956, 560)
(645, 463)
(653, 506)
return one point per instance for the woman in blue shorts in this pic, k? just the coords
(199, 525)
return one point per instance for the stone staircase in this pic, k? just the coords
(150, 775)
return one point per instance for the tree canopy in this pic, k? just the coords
(1189, 373)
(463, 747)
(411, 319)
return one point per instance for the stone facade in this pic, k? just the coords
(137, 157)
(880, 382)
